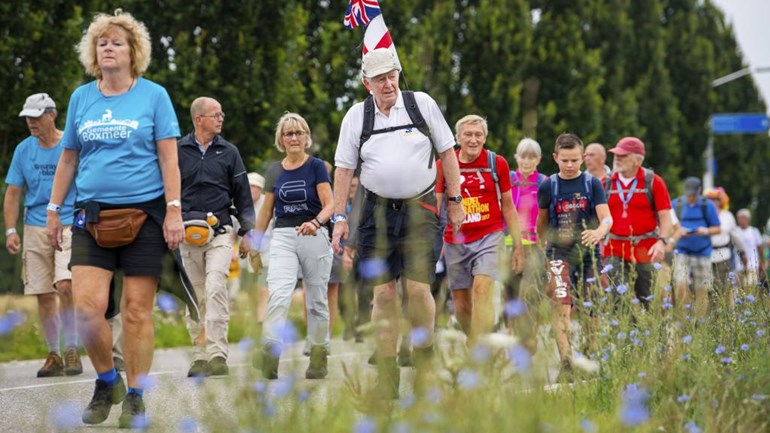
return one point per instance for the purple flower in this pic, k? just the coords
(731, 277)
(187, 425)
(720, 349)
(303, 395)
(760, 332)
(365, 425)
(146, 382)
(590, 280)
(759, 397)
(642, 374)
(588, 304)
(65, 416)
(726, 360)
(259, 387)
(621, 289)
(634, 409)
(515, 308)
(621, 336)
(468, 379)
(687, 339)
(480, 353)
(607, 268)
(667, 305)
(166, 303)
(286, 332)
(667, 288)
(684, 398)
(635, 301)
(686, 357)
(745, 347)
(587, 426)
(434, 395)
(520, 357)
(691, 427)
(419, 336)
(10, 321)
(283, 386)
(245, 344)
(614, 322)
(657, 266)
(140, 422)
(750, 298)
(407, 401)
(372, 268)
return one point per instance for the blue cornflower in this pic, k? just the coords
(434, 395)
(726, 360)
(760, 332)
(607, 268)
(621, 289)
(372, 268)
(614, 322)
(667, 305)
(245, 344)
(515, 308)
(187, 425)
(166, 303)
(10, 321)
(587, 426)
(65, 416)
(419, 336)
(750, 298)
(657, 266)
(480, 353)
(758, 397)
(634, 409)
(720, 349)
(365, 424)
(667, 288)
(468, 379)
(686, 357)
(590, 280)
(286, 332)
(588, 304)
(621, 336)
(691, 427)
(687, 339)
(745, 347)
(520, 357)
(684, 398)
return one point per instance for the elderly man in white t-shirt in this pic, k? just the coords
(399, 222)
(754, 260)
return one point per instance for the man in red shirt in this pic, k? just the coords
(472, 255)
(641, 228)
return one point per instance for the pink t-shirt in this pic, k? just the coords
(524, 193)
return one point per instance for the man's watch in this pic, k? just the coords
(337, 218)
(456, 199)
(175, 203)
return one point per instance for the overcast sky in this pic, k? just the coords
(751, 23)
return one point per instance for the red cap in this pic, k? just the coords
(628, 145)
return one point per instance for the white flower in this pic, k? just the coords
(585, 364)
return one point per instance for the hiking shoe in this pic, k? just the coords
(318, 363)
(388, 380)
(104, 397)
(72, 364)
(405, 357)
(133, 415)
(118, 363)
(269, 363)
(53, 366)
(198, 369)
(217, 367)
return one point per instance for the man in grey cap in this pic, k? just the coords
(44, 270)
(698, 221)
(395, 135)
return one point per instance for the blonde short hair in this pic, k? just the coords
(528, 147)
(138, 40)
(291, 120)
(472, 119)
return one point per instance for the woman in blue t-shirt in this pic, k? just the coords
(298, 193)
(120, 150)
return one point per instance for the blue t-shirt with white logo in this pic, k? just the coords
(692, 218)
(116, 139)
(295, 190)
(33, 167)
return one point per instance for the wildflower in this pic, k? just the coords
(614, 322)
(608, 289)
(419, 336)
(434, 395)
(750, 298)
(588, 304)
(621, 336)
(407, 401)
(621, 289)
(283, 386)
(372, 268)
(635, 301)
(605, 357)
(667, 305)
(745, 347)
(634, 410)
(587, 426)
(726, 360)
(642, 374)
(515, 308)
(686, 357)
(760, 332)
(687, 339)
(607, 268)
(400, 427)
(480, 353)
(187, 425)
(303, 395)
(468, 379)
(731, 277)
(245, 344)
(286, 332)
(10, 321)
(140, 422)
(684, 398)
(365, 425)
(636, 342)
(590, 280)
(520, 357)
(667, 288)
(146, 382)
(497, 340)
(657, 266)
(758, 397)
(585, 364)
(720, 349)
(691, 427)
(65, 416)
(166, 303)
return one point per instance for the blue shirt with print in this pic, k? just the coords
(295, 190)
(33, 167)
(116, 137)
(692, 217)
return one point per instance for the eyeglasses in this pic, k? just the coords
(290, 134)
(216, 115)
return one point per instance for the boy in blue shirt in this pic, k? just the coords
(698, 221)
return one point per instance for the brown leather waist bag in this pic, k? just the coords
(117, 227)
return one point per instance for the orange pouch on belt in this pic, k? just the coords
(117, 227)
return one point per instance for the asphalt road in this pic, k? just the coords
(30, 404)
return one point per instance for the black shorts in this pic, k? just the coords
(143, 257)
(640, 274)
(397, 239)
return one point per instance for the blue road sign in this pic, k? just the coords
(739, 123)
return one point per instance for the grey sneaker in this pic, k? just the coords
(133, 415)
(104, 397)
(53, 366)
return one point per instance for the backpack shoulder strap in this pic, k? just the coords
(588, 184)
(704, 209)
(649, 176)
(492, 164)
(554, 193)
(679, 208)
(368, 126)
(413, 110)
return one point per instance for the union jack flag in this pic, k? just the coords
(360, 12)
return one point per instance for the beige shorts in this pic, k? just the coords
(42, 266)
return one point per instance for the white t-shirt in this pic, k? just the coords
(720, 242)
(395, 164)
(751, 240)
